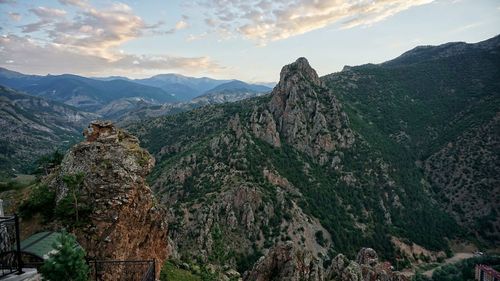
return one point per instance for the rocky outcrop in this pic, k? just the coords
(292, 263)
(366, 268)
(304, 113)
(119, 218)
(367, 256)
(286, 262)
(343, 269)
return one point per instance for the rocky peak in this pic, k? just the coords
(119, 218)
(303, 113)
(300, 69)
(294, 79)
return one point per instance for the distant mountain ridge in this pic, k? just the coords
(94, 93)
(429, 52)
(238, 86)
(232, 91)
(81, 92)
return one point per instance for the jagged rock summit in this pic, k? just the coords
(303, 113)
(119, 218)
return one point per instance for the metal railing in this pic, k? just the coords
(126, 270)
(10, 246)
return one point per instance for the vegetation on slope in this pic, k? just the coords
(421, 114)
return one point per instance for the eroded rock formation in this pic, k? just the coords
(292, 263)
(119, 218)
(303, 113)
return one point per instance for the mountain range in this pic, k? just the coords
(398, 159)
(94, 94)
(388, 156)
(113, 98)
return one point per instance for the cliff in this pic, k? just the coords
(116, 217)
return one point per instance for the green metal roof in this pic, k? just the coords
(40, 244)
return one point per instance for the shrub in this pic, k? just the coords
(320, 238)
(67, 263)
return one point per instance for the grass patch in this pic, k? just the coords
(172, 272)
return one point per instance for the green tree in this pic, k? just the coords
(67, 262)
(219, 253)
(73, 182)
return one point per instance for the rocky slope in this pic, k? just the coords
(286, 262)
(111, 209)
(434, 110)
(465, 172)
(243, 178)
(33, 127)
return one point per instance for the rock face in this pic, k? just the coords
(120, 219)
(367, 256)
(304, 114)
(289, 262)
(286, 262)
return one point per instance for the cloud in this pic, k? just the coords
(77, 3)
(14, 16)
(46, 16)
(28, 55)
(92, 31)
(194, 37)
(466, 27)
(182, 24)
(88, 41)
(270, 20)
(48, 13)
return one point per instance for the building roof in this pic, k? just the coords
(41, 244)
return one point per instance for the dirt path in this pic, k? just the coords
(456, 258)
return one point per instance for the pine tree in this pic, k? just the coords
(67, 262)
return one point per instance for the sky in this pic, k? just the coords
(248, 40)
